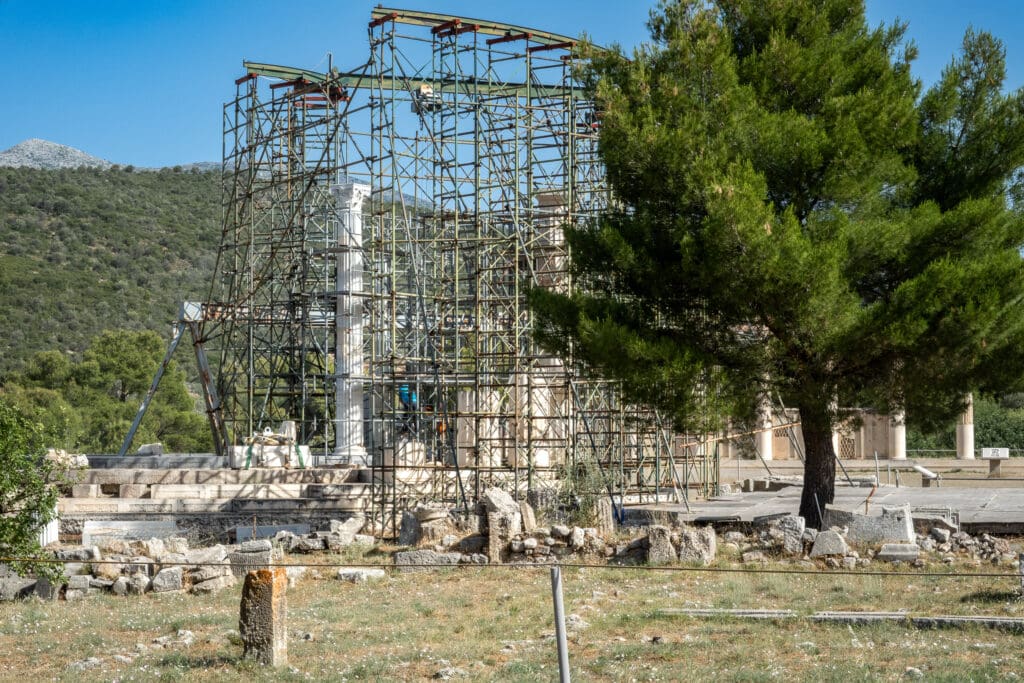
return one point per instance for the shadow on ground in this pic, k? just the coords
(990, 596)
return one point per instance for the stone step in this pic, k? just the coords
(116, 506)
(219, 476)
(209, 491)
(274, 491)
(160, 462)
(345, 490)
(258, 505)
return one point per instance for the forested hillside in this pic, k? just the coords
(86, 250)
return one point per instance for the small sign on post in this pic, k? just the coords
(995, 457)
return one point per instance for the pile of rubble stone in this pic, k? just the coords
(503, 530)
(856, 540)
(134, 567)
(499, 529)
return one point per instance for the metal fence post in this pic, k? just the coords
(563, 646)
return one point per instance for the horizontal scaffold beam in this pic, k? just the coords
(494, 28)
(355, 80)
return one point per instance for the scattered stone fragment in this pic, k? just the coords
(215, 584)
(79, 582)
(828, 543)
(411, 531)
(138, 584)
(529, 517)
(212, 555)
(574, 622)
(360, 574)
(895, 524)
(168, 579)
(697, 545)
(659, 546)
(257, 546)
(247, 560)
(898, 552)
(207, 572)
(90, 663)
(792, 528)
(98, 585)
(13, 586)
(81, 554)
(350, 527)
(413, 560)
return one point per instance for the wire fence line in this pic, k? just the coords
(28, 561)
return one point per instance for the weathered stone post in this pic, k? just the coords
(262, 622)
(1020, 570)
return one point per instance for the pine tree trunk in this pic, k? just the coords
(819, 465)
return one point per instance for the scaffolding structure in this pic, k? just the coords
(473, 144)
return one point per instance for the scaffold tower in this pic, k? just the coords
(382, 226)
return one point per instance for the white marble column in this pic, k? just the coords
(833, 409)
(965, 432)
(348, 360)
(898, 436)
(764, 438)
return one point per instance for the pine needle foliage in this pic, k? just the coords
(792, 214)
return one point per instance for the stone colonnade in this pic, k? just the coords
(897, 434)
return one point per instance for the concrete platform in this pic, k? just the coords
(996, 510)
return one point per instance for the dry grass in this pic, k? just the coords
(495, 624)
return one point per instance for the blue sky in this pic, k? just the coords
(142, 82)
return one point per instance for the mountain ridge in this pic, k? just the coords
(43, 154)
(47, 155)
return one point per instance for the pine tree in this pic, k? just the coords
(791, 215)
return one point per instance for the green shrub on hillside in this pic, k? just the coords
(82, 250)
